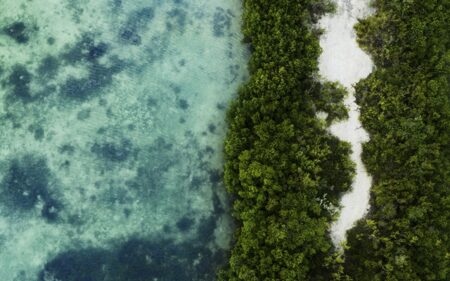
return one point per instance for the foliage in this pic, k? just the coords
(284, 170)
(405, 107)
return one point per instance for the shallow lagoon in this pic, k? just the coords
(112, 122)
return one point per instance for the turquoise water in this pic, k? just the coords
(111, 133)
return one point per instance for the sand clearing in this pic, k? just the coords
(342, 60)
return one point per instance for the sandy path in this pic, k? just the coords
(342, 60)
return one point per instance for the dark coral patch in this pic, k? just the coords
(51, 209)
(66, 148)
(206, 228)
(151, 102)
(17, 31)
(130, 36)
(215, 176)
(221, 22)
(141, 18)
(212, 128)
(82, 89)
(126, 212)
(176, 19)
(117, 4)
(162, 144)
(85, 49)
(221, 106)
(138, 20)
(137, 260)
(20, 79)
(39, 133)
(81, 265)
(99, 75)
(196, 182)
(183, 104)
(116, 152)
(164, 260)
(185, 223)
(79, 89)
(25, 183)
(97, 51)
(217, 203)
(48, 67)
(50, 41)
(83, 114)
(137, 254)
(77, 53)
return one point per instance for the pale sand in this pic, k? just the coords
(342, 60)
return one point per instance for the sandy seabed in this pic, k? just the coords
(112, 120)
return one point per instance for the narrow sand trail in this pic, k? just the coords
(342, 60)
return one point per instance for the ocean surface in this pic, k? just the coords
(112, 120)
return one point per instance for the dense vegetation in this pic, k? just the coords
(283, 169)
(406, 109)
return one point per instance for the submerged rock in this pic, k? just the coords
(17, 31)
(19, 80)
(26, 183)
(116, 152)
(136, 260)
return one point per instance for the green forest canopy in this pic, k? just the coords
(280, 160)
(405, 107)
(283, 169)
